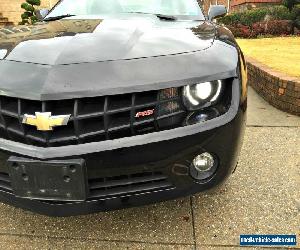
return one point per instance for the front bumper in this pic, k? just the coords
(167, 154)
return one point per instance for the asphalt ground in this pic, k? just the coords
(261, 197)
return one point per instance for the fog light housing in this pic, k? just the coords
(203, 166)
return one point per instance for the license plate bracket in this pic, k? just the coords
(59, 180)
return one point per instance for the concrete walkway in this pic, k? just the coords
(261, 197)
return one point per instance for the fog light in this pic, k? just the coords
(204, 162)
(203, 166)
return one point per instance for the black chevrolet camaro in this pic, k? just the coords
(107, 104)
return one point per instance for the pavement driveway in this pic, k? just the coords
(261, 197)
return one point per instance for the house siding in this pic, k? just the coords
(242, 5)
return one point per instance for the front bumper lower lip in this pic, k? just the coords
(94, 147)
(98, 205)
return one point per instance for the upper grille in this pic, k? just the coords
(92, 119)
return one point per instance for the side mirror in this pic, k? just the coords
(216, 11)
(41, 14)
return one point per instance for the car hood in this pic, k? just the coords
(73, 41)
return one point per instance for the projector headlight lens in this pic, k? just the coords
(202, 95)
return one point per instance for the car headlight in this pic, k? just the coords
(202, 95)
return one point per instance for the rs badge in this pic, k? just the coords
(45, 121)
(144, 113)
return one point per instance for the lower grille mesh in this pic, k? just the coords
(115, 186)
(127, 184)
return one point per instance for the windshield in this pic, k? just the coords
(181, 8)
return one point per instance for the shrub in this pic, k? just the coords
(253, 16)
(240, 30)
(231, 19)
(290, 3)
(279, 27)
(258, 29)
(29, 17)
(296, 15)
(279, 12)
(250, 17)
(245, 18)
(264, 28)
(254, 22)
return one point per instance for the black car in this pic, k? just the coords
(107, 104)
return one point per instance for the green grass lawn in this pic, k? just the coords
(280, 53)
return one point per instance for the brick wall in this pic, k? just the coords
(12, 8)
(281, 91)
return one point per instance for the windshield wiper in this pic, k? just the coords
(160, 16)
(54, 18)
(166, 17)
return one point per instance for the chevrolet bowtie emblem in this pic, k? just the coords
(45, 121)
